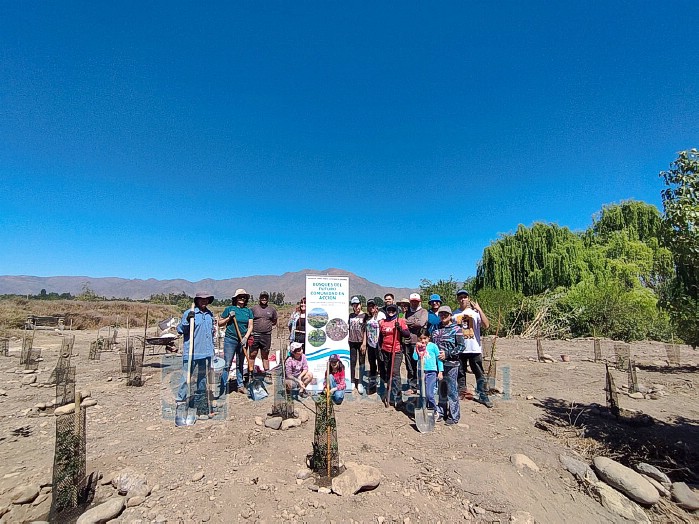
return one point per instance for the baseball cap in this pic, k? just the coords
(415, 296)
(355, 300)
(444, 309)
(462, 292)
(264, 294)
(435, 298)
(371, 302)
(392, 306)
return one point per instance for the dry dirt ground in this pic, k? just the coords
(462, 472)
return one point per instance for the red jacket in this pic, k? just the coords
(389, 339)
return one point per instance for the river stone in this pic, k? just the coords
(70, 408)
(273, 422)
(24, 494)
(664, 492)
(291, 423)
(28, 380)
(626, 480)
(653, 472)
(619, 504)
(578, 468)
(259, 421)
(355, 478)
(303, 474)
(637, 395)
(102, 513)
(141, 490)
(684, 496)
(522, 517)
(522, 461)
(128, 479)
(135, 501)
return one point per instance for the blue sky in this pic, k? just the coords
(217, 140)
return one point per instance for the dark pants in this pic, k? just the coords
(199, 373)
(410, 364)
(372, 354)
(356, 354)
(385, 371)
(475, 362)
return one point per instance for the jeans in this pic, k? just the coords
(339, 395)
(232, 347)
(200, 366)
(430, 388)
(451, 377)
(372, 353)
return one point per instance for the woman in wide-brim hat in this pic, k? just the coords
(238, 320)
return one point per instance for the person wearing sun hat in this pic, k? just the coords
(204, 329)
(236, 315)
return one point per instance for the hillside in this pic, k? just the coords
(292, 284)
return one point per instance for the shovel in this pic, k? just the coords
(184, 415)
(424, 418)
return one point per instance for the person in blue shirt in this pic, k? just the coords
(432, 367)
(204, 326)
(432, 318)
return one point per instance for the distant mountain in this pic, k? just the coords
(293, 285)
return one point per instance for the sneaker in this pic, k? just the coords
(361, 389)
(438, 418)
(451, 422)
(410, 391)
(485, 401)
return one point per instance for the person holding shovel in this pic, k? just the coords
(204, 328)
(427, 352)
(238, 320)
(391, 329)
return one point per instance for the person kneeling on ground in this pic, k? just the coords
(337, 380)
(297, 374)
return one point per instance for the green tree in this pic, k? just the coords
(379, 301)
(681, 236)
(444, 288)
(276, 298)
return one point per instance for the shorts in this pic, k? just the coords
(263, 342)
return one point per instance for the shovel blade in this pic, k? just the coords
(184, 416)
(424, 420)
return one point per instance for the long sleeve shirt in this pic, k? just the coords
(432, 363)
(449, 339)
(203, 334)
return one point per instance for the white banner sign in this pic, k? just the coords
(327, 328)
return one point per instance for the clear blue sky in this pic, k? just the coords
(224, 139)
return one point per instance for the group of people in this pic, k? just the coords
(438, 342)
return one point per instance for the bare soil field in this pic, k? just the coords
(230, 469)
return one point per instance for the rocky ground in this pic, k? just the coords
(497, 465)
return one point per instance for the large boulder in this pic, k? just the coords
(618, 504)
(102, 513)
(626, 480)
(654, 473)
(356, 478)
(684, 496)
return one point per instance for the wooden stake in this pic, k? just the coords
(327, 412)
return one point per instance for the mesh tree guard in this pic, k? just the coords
(63, 362)
(612, 396)
(325, 460)
(33, 357)
(597, 350)
(283, 403)
(65, 385)
(69, 465)
(488, 345)
(633, 380)
(132, 363)
(622, 351)
(673, 354)
(4, 346)
(67, 344)
(96, 347)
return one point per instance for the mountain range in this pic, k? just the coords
(293, 285)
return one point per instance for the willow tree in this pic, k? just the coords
(639, 221)
(681, 235)
(533, 259)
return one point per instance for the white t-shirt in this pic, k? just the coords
(473, 345)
